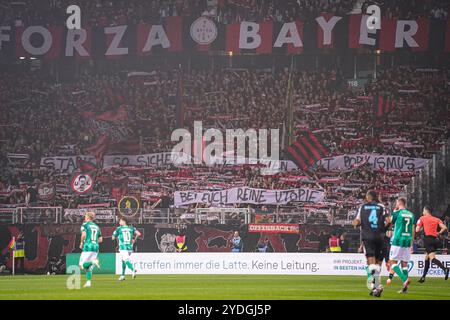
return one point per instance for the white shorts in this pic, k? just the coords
(125, 254)
(87, 256)
(400, 254)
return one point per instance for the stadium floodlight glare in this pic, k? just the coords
(21, 58)
(32, 58)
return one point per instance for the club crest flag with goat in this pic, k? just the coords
(307, 150)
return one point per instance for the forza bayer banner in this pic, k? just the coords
(181, 35)
(348, 264)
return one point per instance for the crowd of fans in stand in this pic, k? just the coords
(40, 116)
(411, 9)
(107, 12)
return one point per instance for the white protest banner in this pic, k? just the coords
(340, 264)
(426, 70)
(392, 140)
(16, 158)
(150, 195)
(312, 106)
(63, 163)
(348, 189)
(100, 213)
(67, 148)
(270, 165)
(248, 195)
(145, 160)
(376, 161)
(167, 158)
(140, 74)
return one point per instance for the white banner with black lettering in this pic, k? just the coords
(271, 166)
(73, 215)
(145, 160)
(248, 195)
(377, 162)
(64, 163)
(346, 264)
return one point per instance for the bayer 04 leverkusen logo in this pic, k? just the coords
(46, 191)
(203, 31)
(128, 206)
(82, 183)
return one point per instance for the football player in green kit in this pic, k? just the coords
(127, 236)
(403, 221)
(91, 238)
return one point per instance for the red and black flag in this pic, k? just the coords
(84, 165)
(382, 105)
(112, 145)
(114, 131)
(119, 187)
(307, 150)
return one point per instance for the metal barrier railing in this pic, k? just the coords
(333, 216)
(38, 215)
(52, 215)
(8, 215)
(432, 185)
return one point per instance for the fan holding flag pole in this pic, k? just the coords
(12, 244)
(17, 246)
(12, 247)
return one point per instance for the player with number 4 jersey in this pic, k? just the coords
(126, 236)
(371, 219)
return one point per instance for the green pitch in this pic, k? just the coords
(215, 287)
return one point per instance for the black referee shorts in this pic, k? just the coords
(431, 244)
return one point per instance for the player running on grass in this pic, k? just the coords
(127, 236)
(430, 227)
(91, 237)
(371, 218)
(401, 243)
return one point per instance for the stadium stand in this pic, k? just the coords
(46, 122)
